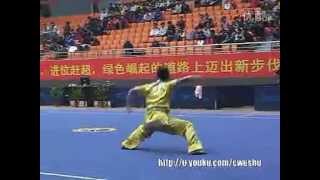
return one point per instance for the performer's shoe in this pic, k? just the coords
(125, 148)
(198, 152)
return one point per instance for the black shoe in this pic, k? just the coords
(125, 148)
(198, 152)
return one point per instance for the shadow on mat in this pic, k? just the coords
(162, 150)
(169, 151)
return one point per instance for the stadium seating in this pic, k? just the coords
(138, 33)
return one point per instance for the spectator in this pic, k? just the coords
(104, 14)
(199, 34)
(238, 36)
(249, 36)
(276, 34)
(157, 15)
(185, 7)
(224, 23)
(171, 32)
(66, 29)
(206, 2)
(69, 40)
(229, 4)
(95, 42)
(181, 34)
(207, 32)
(52, 27)
(247, 15)
(177, 8)
(181, 24)
(148, 16)
(162, 29)
(268, 32)
(128, 48)
(208, 21)
(202, 21)
(155, 31)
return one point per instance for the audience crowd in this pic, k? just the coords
(251, 26)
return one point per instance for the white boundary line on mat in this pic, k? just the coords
(69, 176)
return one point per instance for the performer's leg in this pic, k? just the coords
(184, 128)
(153, 120)
(136, 137)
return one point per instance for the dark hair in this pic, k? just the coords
(163, 73)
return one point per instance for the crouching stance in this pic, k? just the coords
(157, 117)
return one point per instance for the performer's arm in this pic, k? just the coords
(144, 89)
(186, 78)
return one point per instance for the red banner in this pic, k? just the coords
(253, 64)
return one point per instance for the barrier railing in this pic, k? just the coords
(170, 50)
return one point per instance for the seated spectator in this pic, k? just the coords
(157, 16)
(229, 4)
(69, 40)
(148, 16)
(185, 7)
(247, 15)
(66, 29)
(95, 42)
(52, 29)
(208, 21)
(124, 23)
(224, 23)
(276, 8)
(202, 21)
(115, 23)
(227, 37)
(181, 24)
(238, 36)
(177, 8)
(249, 36)
(206, 2)
(267, 5)
(134, 8)
(276, 34)
(171, 4)
(268, 32)
(199, 34)
(162, 5)
(155, 31)
(207, 32)
(171, 32)
(162, 29)
(181, 34)
(124, 10)
(128, 48)
(258, 16)
(104, 14)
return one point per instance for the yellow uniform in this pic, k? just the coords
(157, 117)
